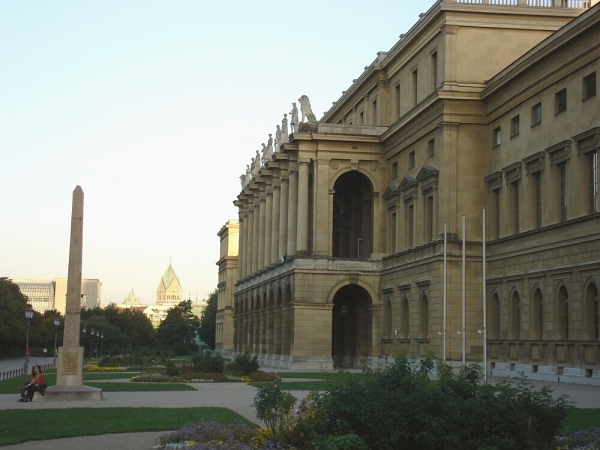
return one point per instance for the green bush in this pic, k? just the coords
(401, 407)
(172, 369)
(243, 364)
(204, 362)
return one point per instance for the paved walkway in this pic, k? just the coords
(235, 396)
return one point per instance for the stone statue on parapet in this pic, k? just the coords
(278, 139)
(306, 109)
(243, 180)
(294, 120)
(263, 152)
(284, 129)
(269, 151)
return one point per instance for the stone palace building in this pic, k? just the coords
(339, 255)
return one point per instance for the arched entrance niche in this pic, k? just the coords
(351, 330)
(352, 216)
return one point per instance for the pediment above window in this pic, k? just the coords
(409, 188)
(559, 153)
(513, 172)
(535, 162)
(428, 178)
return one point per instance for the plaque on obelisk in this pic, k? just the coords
(69, 373)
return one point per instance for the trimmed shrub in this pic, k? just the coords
(243, 364)
(204, 362)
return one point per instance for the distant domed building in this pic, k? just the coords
(169, 290)
(132, 301)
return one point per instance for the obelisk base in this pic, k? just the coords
(69, 372)
(69, 394)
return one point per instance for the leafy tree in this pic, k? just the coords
(208, 321)
(13, 325)
(125, 331)
(179, 329)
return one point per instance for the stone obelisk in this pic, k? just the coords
(69, 373)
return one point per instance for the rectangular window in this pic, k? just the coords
(374, 112)
(560, 101)
(537, 191)
(496, 214)
(414, 87)
(397, 98)
(514, 187)
(431, 147)
(593, 181)
(434, 81)
(393, 233)
(514, 126)
(411, 160)
(563, 191)
(429, 223)
(589, 86)
(536, 114)
(394, 170)
(410, 224)
(496, 137)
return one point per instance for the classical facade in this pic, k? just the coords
(228, 276)
(351, 236)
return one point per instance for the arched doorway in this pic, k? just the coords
(351, 330)
(353, 216)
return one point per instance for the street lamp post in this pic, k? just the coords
(28, 317)
(101, 341)
(56, 324)
(84, 330)
(92, 346)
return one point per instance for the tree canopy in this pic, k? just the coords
(179, 330)
(13, 325)
(208, 320)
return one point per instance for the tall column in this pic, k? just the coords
(283, 216)
(292, 211)
(247, 243)
(268, 225)
(261, 228)
(256, 214)
(241, 250)
(302, 229)
(275, 222)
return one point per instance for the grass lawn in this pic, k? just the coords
(12, 386)
(15, 425)
(580, 419)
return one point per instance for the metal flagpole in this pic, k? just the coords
(445, 278)
(464, 318)
(484, 309)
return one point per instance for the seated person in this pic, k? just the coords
(36, 384)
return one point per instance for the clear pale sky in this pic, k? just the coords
(154, 108)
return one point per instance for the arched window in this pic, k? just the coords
(387, 319)
(537, 315)
(515, 316)
(562, 309)
(404, 329)
(591, 324)
(424, 318)
(352, 216)
(493, 327)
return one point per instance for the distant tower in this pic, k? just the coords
(169, 290)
